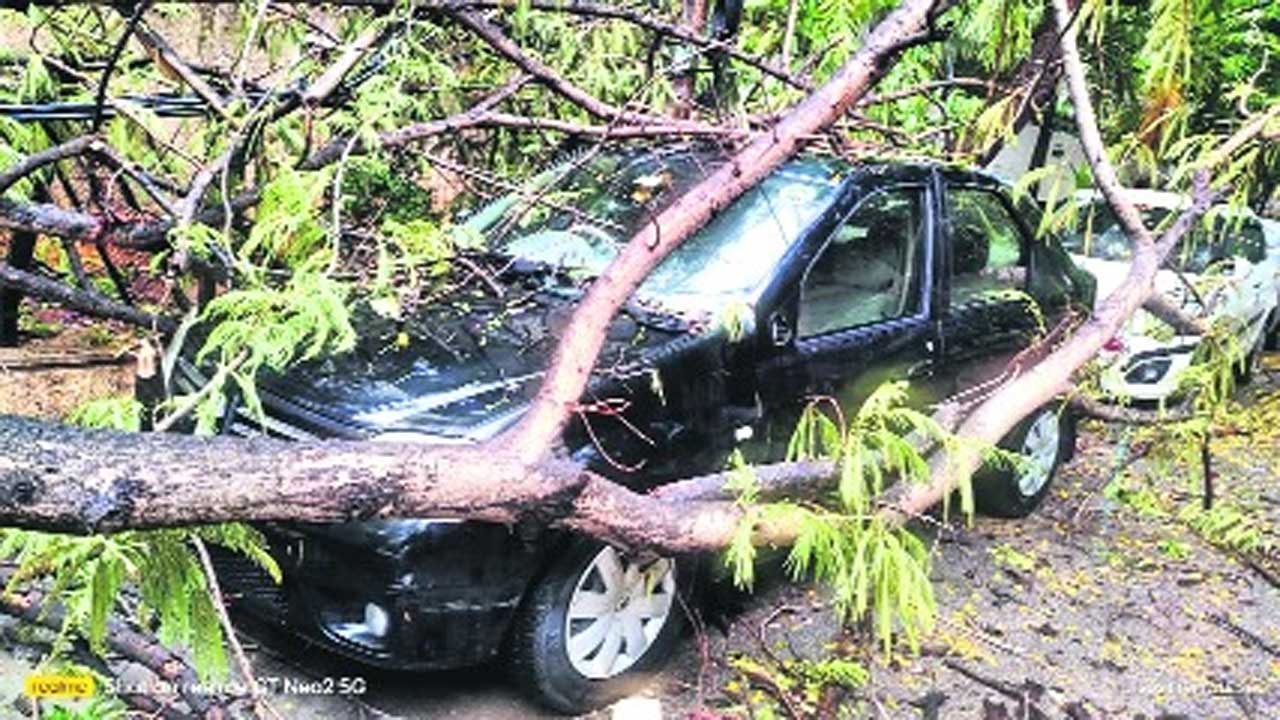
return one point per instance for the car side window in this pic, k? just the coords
(867, 270)
(986, 246)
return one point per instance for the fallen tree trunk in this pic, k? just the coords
(61, 478)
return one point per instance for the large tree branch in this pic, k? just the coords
(89, 303)
(56, 477)
(1181, 321)
(576, 353)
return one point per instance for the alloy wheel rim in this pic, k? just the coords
(1040, 450)
(617, 609)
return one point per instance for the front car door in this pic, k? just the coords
(853, 313)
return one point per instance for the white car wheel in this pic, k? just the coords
(617, 610)
(1040, 449)
(599, 624)
(1042, 440)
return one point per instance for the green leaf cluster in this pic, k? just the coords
(875, 569)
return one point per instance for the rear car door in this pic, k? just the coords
(1001, 287)
(855, 314)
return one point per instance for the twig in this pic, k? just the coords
(237, 650)
(27, 360)
(37, 160)
(332, 151)
(170, 63)
(479, 272)
(241, 64)
(789, 34)
(774, 688)
(553, 80)
(100, 102)
(193, 400)
(1001, 687)
(72, 253)
(1244, 635)
(1090, 407)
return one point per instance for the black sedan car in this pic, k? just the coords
(825, 279)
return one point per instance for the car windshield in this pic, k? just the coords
(578, 216)
(1099, 235)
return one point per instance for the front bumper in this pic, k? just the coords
(440, 595)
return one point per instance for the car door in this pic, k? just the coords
(855, 314)
(991, 309)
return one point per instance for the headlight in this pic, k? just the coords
(1148, 372)
(366, 626)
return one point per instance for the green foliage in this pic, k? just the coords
(1227, 526)
(376, 187)
(286, 229)
(834, 671)
(998, 33)
(800, 683)
(122, 412)
(266, 327)
(873, 568)
(87, 574)
(96, 708)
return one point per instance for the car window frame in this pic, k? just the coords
(924, 261)
(1024, 251)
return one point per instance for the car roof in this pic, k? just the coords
(890, 169)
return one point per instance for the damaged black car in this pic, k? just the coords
(826, 278)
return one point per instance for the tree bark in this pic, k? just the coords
(89, 303)
(66, 479)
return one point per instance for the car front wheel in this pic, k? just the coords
(1043, 440)
(598, 626)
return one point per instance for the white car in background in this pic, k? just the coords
(1226, 270)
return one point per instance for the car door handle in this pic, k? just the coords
(780, 332)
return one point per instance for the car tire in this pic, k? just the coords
(1047, 437)
(561, 660)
